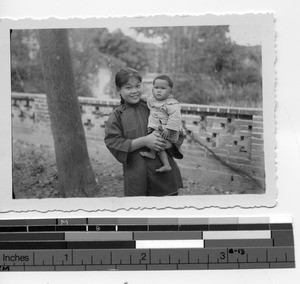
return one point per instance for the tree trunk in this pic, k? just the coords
(75, 174)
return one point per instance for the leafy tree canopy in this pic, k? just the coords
(207, 67)
(91, 50)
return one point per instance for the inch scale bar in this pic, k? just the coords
(148, 259)
(146, 244)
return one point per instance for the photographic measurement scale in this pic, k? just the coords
(90, 244)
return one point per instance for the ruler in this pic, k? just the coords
(89, 244)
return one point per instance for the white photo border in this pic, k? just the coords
(115, 204)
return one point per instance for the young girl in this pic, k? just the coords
(165, 117)
(126, 136)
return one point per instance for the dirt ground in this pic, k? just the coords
(35, 175)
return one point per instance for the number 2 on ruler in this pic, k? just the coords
(143, 255)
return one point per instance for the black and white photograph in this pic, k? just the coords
(151, 111)
(149, 142)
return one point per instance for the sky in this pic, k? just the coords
(245, 34)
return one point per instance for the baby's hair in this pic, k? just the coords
(123, 76)
(166, 78)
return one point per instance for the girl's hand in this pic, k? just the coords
(165, 133)
(155, 142)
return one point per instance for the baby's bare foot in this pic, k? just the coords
(164, 169)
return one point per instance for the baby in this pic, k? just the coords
(165, 117)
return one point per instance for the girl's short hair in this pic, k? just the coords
(123, 76)
(166, 78)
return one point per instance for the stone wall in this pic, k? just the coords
(223, 145)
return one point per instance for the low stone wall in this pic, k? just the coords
(223, 145)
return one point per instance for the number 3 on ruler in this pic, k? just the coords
(222, 255)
